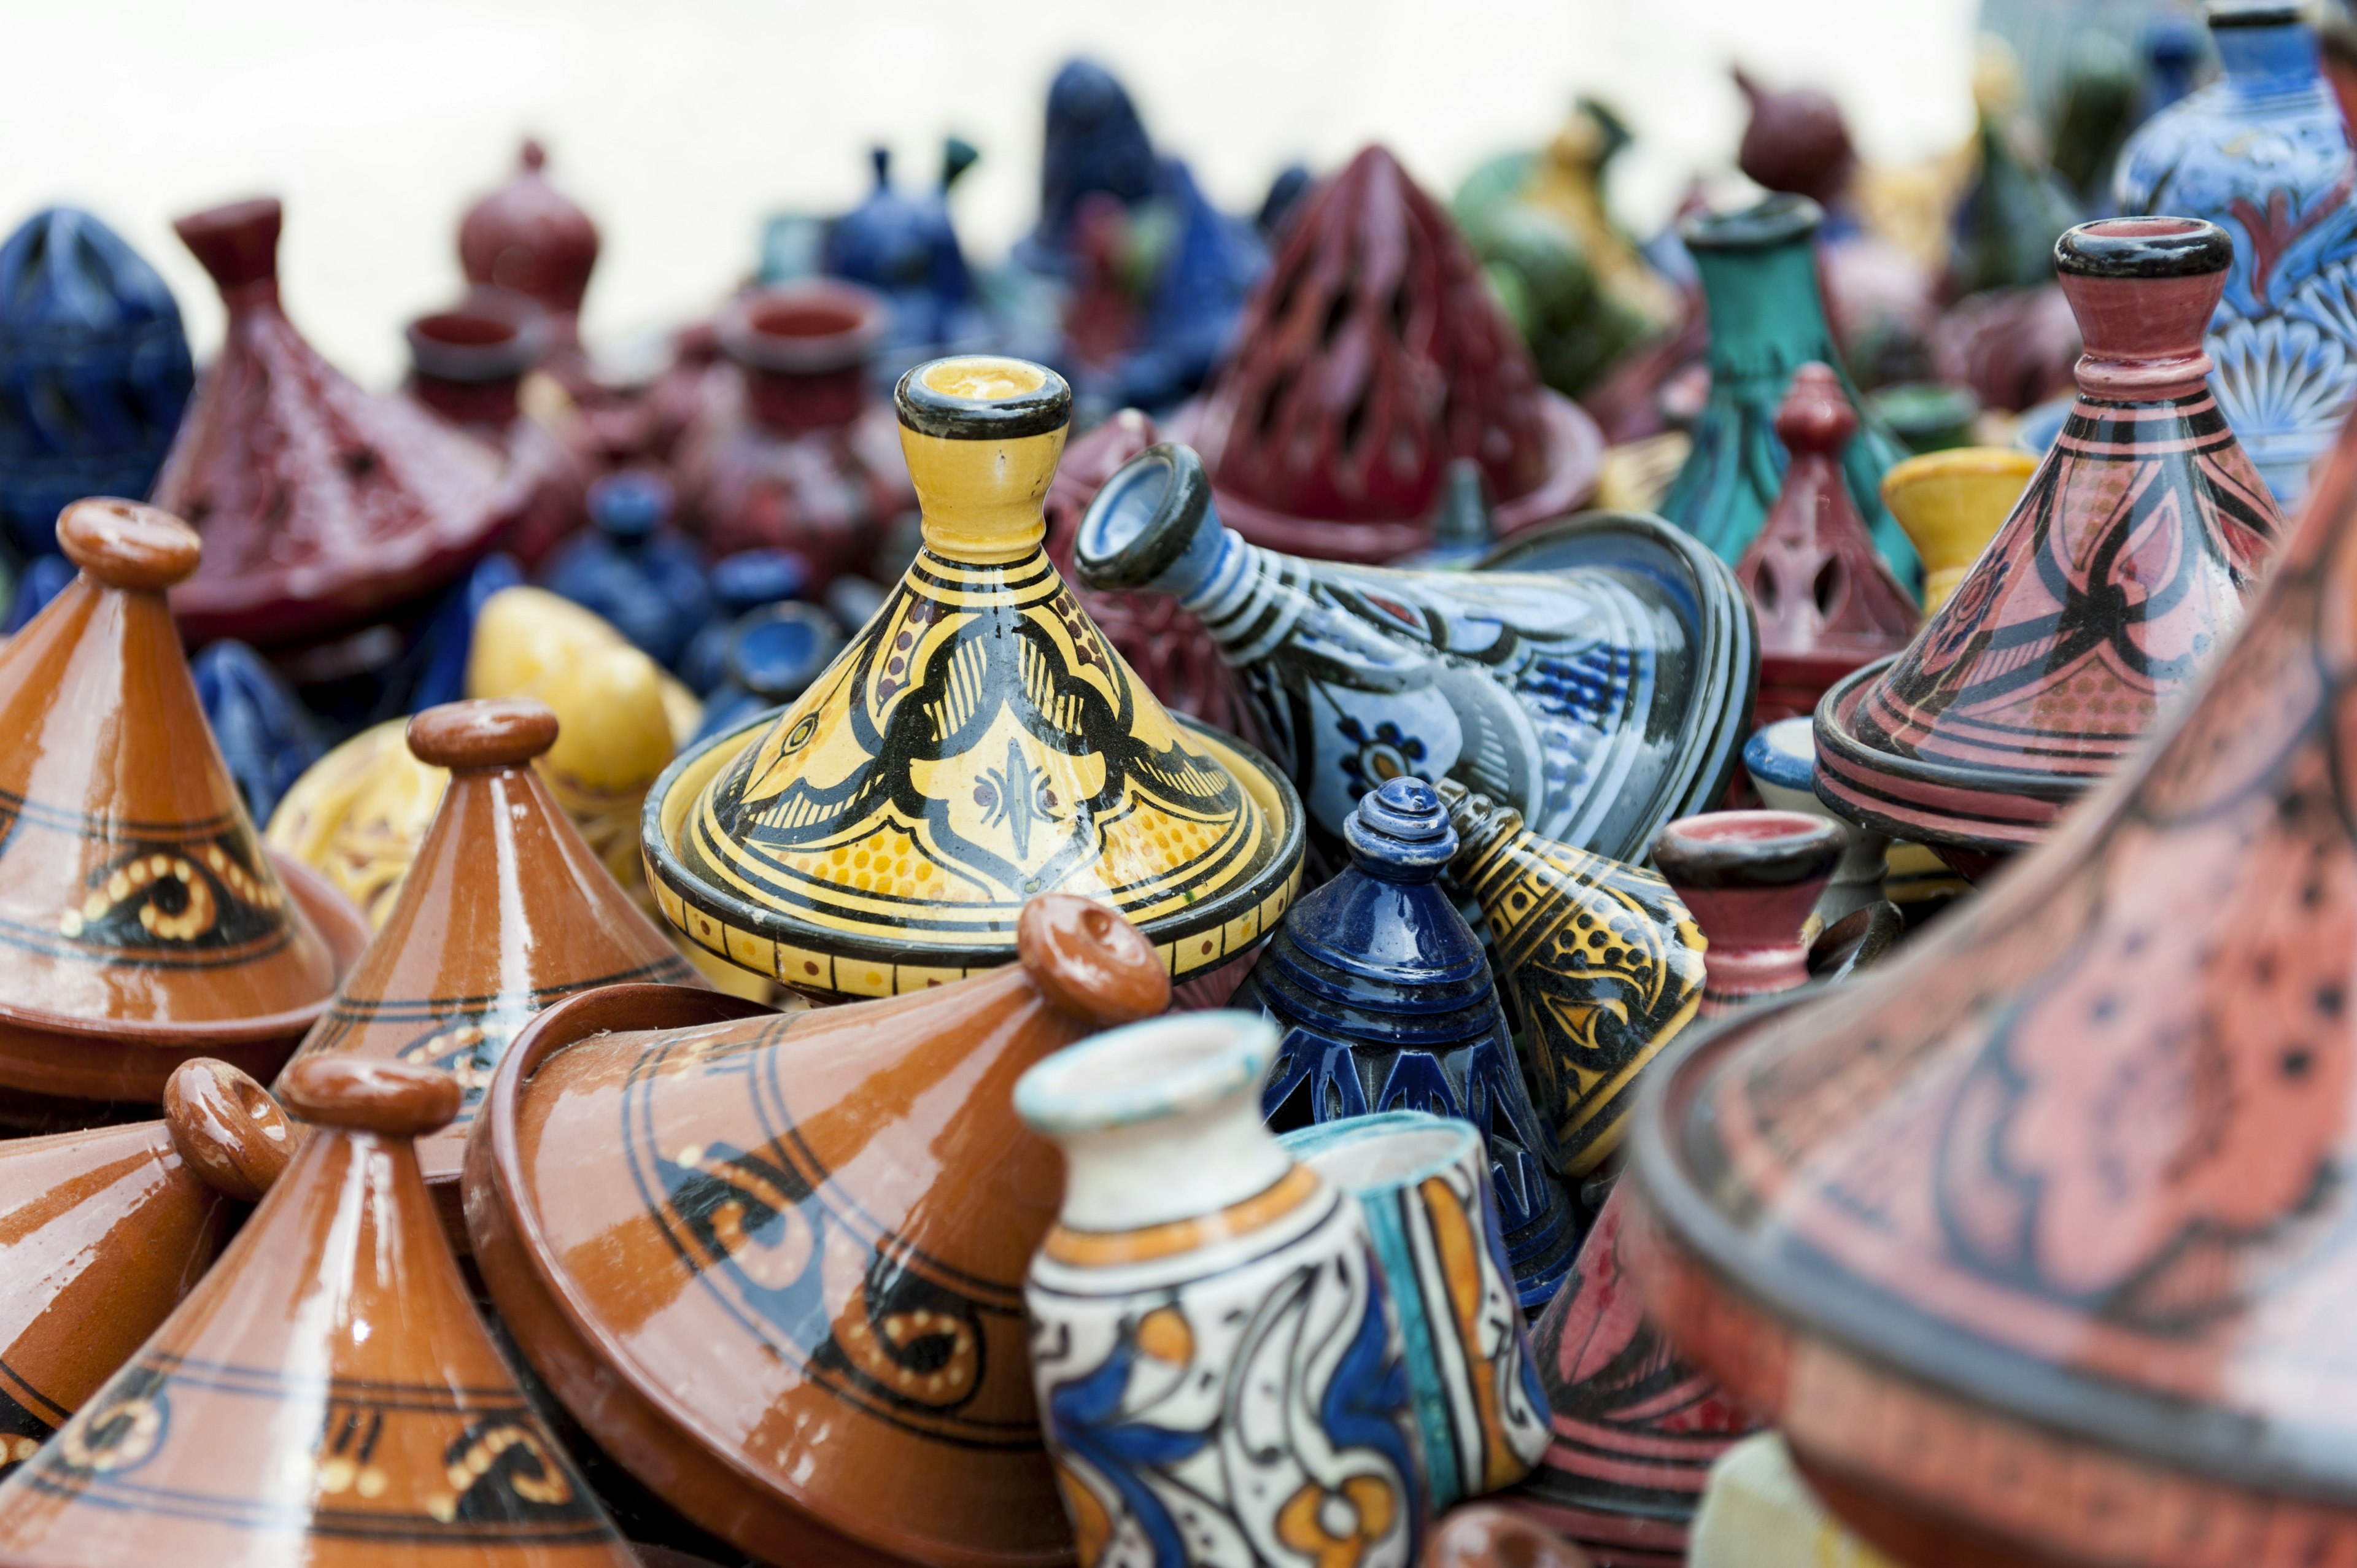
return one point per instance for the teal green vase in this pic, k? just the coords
(1760, 279)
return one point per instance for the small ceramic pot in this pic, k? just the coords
(1781, 759)
(1751, 879)
(1219, 1368)
(1424, 1184)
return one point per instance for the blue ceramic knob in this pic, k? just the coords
(773, 656)
(265, 734)
(632, 570)
(1386, 1002)
(905, 248)
(747, 581)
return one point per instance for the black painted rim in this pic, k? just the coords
(936, 414)
(2160, 246)
(1167, 534)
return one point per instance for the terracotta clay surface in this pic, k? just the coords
(1751, 879)
(775, 1265)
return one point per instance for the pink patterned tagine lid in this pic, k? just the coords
(2040, 1243)
(2119, 572)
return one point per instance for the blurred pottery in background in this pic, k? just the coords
(773, 656)
(358, 815)
(1752, 879)
(1757, 1512)
(529, 238)
(742, 583)
(1951, 503)
(905, 248)
(1781, 759)
(1926, 417)
(637, 572)
(265, 734)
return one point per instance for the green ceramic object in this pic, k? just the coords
(1927, 416)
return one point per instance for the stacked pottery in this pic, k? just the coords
(1951, 503)
(2101, 599)
(1752, 879)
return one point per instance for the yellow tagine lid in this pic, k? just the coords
(977, 743)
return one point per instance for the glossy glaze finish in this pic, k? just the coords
(1751, 879)
(787, 1293)
(977, 743)
(1493, 1535)
(2103, 596)
(1951, 503)
(326, 1395)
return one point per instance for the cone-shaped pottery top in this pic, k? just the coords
(775, 1265)
(978, 742)
(135, 902)
(318, 502)
(326, 1395)
(1371, 355)
(1951, 504)
(504, 910)
(2108, 589)
(2038, 1239)
(529, 237)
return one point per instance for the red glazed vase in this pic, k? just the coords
(529, 237)
(1749, 879)
(1370, 355)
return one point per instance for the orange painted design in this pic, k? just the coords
(1370, 1503)
(1458, 1243)
(1104, 1249)
(1092, 1526)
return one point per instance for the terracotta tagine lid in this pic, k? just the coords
(2123, 566)
(101, 1233)
(325, 1394)
(976, 744)
(146, 924)
(1752, 879)
(1371, 355)
(775, 1265)
(1825, 601)
(504, 911)
(528, 236)
(319, 504)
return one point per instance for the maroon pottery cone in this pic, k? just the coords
(1825, 601)
(1750, 880)
(2120, 571)
(529, 237)
(2040, 1242)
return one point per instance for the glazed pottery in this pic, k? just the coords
(358, 815)
(467, 364)
(773, 656)
(632, 569)
(1781, 759)
(325, 1394)
(1597, 962)
(321, 505)
(1926, 417)
(94, 371)
(1374, 354)
(1599, 699)
(1757, 1512)
(795, 452)
(2014, 347)
(505, 911)
(905, 248)
(977, 743)
(1951, 503)
(773, 1264)
(2103, 597)
(2261, 153)
(748, 581)
(1767, 320)
(1635, 1427)
(1219, 1368)
(1386, 1002)
(1422, 1184)
(529, 238)
(145, 925)
(1751, 879)
(2004, 228)
(1494, 1535)
(266, 737)
(101, 1233)
(1826, 603)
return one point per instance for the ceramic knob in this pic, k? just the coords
(1815, 417)
(1493, 1535)
(1751, 880)
(123, 545)
(226, 1127)
(395, 1100)
(1401, 833)
(1089, 962)
(487, 731)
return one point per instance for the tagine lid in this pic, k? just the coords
(529, 237)
(978, 742)
(1371, 356)
(2116, 577)
(319, 504)
(2061, 1193)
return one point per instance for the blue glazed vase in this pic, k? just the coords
(645, 578)
(1386, 1002)
(2261, 152)
(94, 371)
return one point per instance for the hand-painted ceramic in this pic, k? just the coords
(1597, 962)
(2034, 1243)
(357, 816)
(530, 238)
(1598, 699)
(1422, 1184)
(1386, 1002)
(773, 1264)
(1636, 1427)
(265, 734)
(1371, 355)
(1751, 879)
(97, 371)
(1951, 503)
(143, 923)
(101, 1233)
(2261, 153)
(905, 248)
(325, 1394)
(2105, 595)
(976, 744)
(1219, 1368)
(505, 911)
(1781, 759)
(1825, 602)
(1757, 1512)
(321, 504)
(632, 569)
(1495, 1535)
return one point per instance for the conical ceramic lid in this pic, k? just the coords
(978, 742)
(2120, 571)
(775, 1265)
(530, 237)
(319, 504)
(2039, 1241)
(326, 1395)
(504, 910)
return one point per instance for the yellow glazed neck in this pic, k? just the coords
(983, 435)
(1951, 504)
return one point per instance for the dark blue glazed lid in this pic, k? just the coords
(1400, 833)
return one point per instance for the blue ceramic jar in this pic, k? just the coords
(642, 575)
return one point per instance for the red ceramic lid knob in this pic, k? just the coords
(399, 1099)
(1814, 416)
(1750, 878)
(498, 732)
(123, 545)
(226, 1127)
(238, 244)
(1089, 962)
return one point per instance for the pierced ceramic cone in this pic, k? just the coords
(1752, 879)
(102, 1232)
(775, 1265)
(326, 1395)
(144, 924)
(505, 910)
